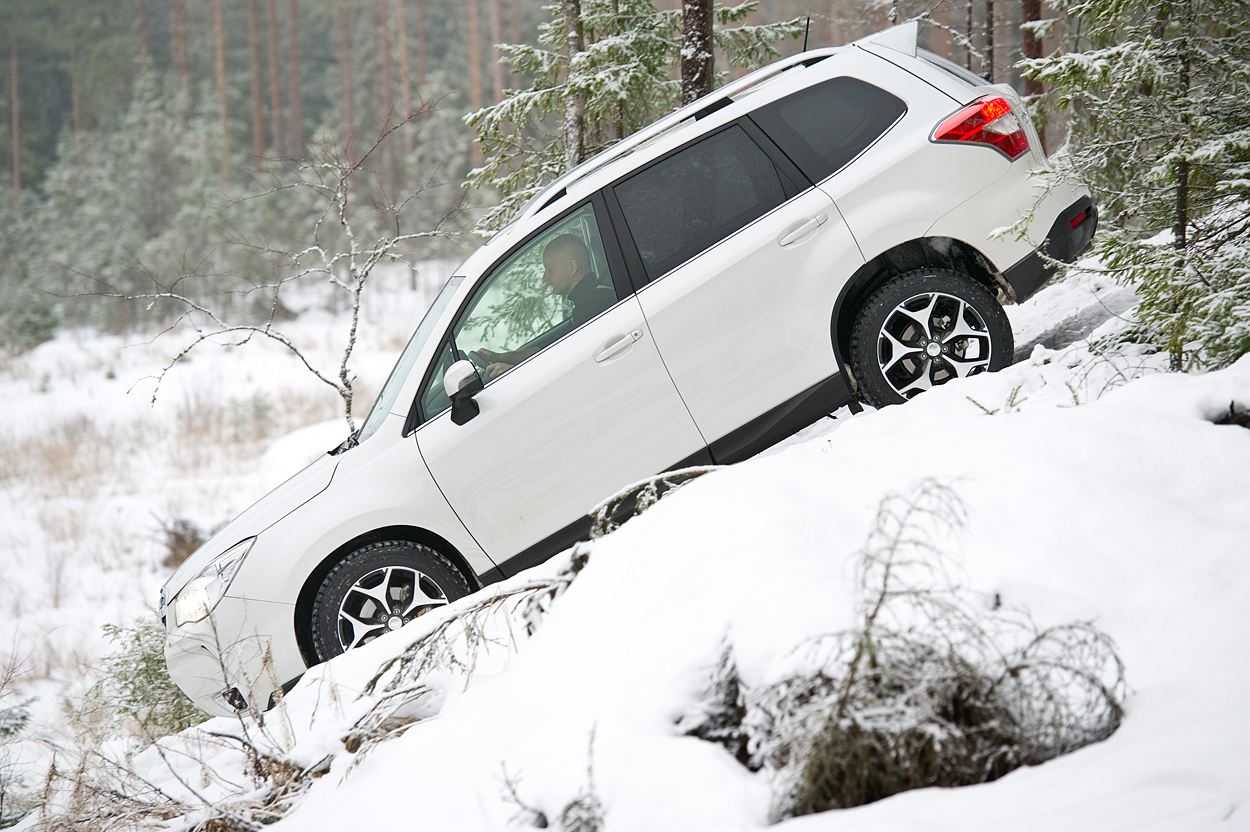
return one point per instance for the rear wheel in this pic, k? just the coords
(379, 588)
(925, 328)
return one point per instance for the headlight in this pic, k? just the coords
(198, 598)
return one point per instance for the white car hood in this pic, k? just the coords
(266, 511)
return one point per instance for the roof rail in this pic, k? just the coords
(697, 109)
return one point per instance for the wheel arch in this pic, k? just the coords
(413, 534)
(931, 252)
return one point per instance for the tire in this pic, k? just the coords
(348, 611)
(924, 328)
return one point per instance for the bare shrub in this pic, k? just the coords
(73, 458)
(1235, 416)
(182, 538)
(935, 685)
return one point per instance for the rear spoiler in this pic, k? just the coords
(901, 38)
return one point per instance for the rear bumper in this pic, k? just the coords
(1070, 235)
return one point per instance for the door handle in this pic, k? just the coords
(618, 346)
(803, 230)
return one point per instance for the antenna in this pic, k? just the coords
(806, 28)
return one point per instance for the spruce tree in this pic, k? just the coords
(603, 69)
(1160, 107)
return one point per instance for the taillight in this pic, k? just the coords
(986, 121)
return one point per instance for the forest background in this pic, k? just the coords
(150, 145)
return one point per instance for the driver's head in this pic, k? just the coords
(566, 260)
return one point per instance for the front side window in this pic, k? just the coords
(549, 287)
(695, 198)
(825, 126)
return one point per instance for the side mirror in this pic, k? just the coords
(462, 383)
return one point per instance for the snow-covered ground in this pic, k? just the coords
(1096, 488)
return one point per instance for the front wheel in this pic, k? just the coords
(379, 588)
(923, 329)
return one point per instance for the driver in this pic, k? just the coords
(566, 269)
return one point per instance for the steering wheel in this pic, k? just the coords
(478, 360)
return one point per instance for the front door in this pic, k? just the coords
(577, 403)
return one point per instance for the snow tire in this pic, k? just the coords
(379, 588)
(924, 328)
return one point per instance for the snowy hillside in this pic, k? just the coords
(1091, 487)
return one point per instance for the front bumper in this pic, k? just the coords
(225, 664)
(1069, 236)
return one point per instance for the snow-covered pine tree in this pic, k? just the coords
(1160, 104)
(603, 68)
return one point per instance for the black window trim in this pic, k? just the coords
(616, 266)
(793, 183)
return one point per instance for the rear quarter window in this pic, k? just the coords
(825, 126)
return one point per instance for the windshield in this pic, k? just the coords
(390, 390)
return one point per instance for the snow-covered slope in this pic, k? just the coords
(1094, 488)
(1129, 511)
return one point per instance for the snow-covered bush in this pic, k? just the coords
(935, 686)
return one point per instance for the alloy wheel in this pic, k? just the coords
(385, 600)
(929, 339)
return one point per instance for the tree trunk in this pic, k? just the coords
(516, 35)
(696, 49)
(275, 82)
(384, 94)
(574, 127)
(473, 44)
(496, 37)
(423, 50)
(182, 66)
(75, 79)
(258, 86)
(1180, 230)
(219, 43)
(1030, 43)
(1031, 48)
(143, 30)
(989, 41)
(345, 79)
(405, 95)
(15, 106)
(831, 24)
(295, 118)
(968, 36)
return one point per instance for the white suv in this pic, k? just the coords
(820, 230)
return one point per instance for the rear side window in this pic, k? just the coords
(825, 126)
(695, 198)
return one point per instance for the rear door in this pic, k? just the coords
(741, 261)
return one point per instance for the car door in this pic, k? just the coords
(742, 260)
(583, 412)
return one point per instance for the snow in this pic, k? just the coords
(1099, 490)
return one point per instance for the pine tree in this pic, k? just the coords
(605, 68)
(1160, 103)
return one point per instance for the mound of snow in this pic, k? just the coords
(1123, 505)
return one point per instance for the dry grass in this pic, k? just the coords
(73, 458)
